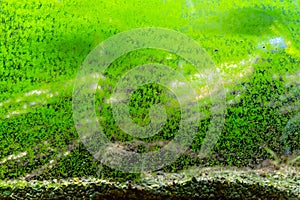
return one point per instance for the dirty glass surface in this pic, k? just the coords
(137, 91)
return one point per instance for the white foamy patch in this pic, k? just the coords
(243, 62)
(13, 157)
(37, 92)
(10, 114)
(32, 103)
(15, 112)
(95, 75)
(49, 95)
(112, 100)
(94, 86)
(198, 75)
(203, 93)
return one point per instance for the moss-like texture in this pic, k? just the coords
(42, 45)
(45, 41)
(195, 183)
